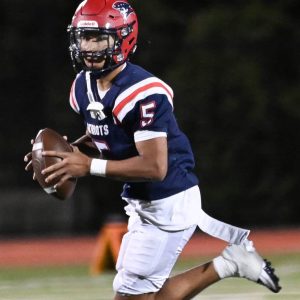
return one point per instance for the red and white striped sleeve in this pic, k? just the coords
(126, 101)
(72, 100)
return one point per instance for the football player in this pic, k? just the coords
(128, 113)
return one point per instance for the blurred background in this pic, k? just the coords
(234, 67)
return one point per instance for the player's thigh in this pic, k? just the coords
(148, 250)
(144, 248)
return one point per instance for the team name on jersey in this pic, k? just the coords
(100, 130)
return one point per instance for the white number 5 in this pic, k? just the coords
(147, 113)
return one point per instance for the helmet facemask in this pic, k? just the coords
(94, 49)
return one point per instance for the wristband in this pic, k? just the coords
(98, 167)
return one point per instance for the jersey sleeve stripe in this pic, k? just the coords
(140, 84)
(72, 100)
(129, 103)
(126, 101)
(144, 135)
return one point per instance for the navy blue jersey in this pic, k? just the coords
(137, 105)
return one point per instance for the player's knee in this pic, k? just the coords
(132, 284)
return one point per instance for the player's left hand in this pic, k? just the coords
(28, 161)
(73, 164)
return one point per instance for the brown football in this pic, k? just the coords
(48, 139)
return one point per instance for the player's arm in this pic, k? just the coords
(150, 165)
(149, 122)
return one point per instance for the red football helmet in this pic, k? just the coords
(103, 18)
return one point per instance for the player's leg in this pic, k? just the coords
(182, 286)
(188, 284)
(235, 261)
(146, 258)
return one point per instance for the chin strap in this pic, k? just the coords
(97, 74)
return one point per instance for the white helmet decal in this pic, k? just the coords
(87, 23)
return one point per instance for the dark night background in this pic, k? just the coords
(234, 68)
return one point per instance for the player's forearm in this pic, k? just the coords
(85, 144)
(136, 168)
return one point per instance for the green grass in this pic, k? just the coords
(75, 283)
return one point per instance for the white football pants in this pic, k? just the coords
(147, 256)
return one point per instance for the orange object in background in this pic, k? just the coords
(86, 250)
(107, 247)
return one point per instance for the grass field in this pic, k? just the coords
(75, 283)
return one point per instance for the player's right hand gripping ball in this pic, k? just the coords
(48, 139)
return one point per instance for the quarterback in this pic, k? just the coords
(129, 116)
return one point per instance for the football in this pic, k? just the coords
(48, 139)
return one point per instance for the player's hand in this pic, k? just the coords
(73, 164)
(28, 160)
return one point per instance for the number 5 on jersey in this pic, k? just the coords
(147, 113)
